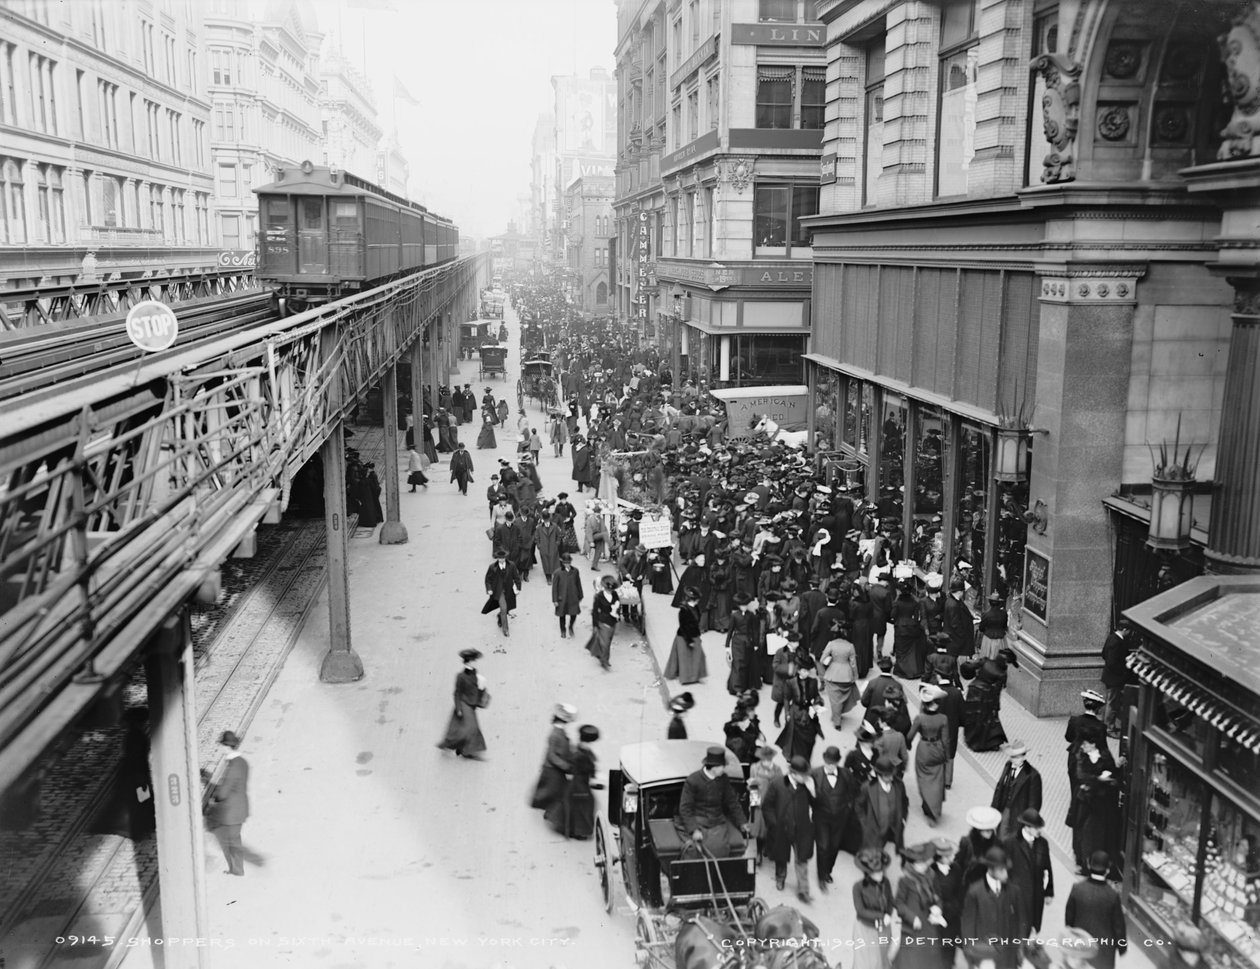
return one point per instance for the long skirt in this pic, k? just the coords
(988, 648)
(573, 814)
(742, 676)
(799, 734)
(908, 653)
(550, 787)
(929, 771)
(982, 725)
(919, 949)
(863, 646)
(463, 733)
(870, 946)
(686, 661)
(843, 697)
(600, 643)
(486, 438)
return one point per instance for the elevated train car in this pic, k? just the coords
(326, 233)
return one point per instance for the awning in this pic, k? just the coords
(1236, 725)
(711, 330)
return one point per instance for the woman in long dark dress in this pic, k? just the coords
(741, 647)
(573, 815)
(486, 438)
(463, 733)
(861, 617)
(660, 573)
(930, 753)
(982, 723)
(909, 640)
(1095, 823)
(720, 598)
(801, 728)
(430, 449)
(686, 661)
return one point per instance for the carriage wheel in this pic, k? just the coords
(603, 865)
(647, 940)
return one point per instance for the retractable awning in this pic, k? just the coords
(1178, 687)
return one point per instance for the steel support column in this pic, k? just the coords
(417, 392)
(176, 790)
(393, 532)
(341, 664)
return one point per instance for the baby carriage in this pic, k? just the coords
(631, 600)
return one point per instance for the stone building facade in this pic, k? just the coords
(1028, 268)
(104, 149)
(587, 226)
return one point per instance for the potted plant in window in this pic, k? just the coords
(1172, 488)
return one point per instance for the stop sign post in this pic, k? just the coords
(152, 326)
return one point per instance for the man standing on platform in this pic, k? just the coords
(229, 804)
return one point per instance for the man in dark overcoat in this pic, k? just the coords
(1017, 790)
(834, 791)
(566, 593)
(1029, 855)
(786, 808)
(1116, 674)
(882, 806)
(957, 622)
(708, 810)
(461, 467)
(502, 583)
(993, 911)
(1094, 906)
(582, 471)
(229, 803)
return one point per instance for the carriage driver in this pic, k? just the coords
(709, 811)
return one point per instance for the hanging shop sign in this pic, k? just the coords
(641, 291)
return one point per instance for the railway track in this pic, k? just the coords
(36, 359)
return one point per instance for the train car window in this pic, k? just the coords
(345, 212)
(312, 246)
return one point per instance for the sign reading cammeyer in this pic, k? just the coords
(779, 35)
(641, 291)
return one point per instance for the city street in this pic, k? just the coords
(370, 845)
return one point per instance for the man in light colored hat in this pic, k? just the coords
(1018, 788)
(1029, 853)
(982, 823)
(709, 811)
(1094, 906)
(229, 803)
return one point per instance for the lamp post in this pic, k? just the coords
(1172, 505)
(1011, 457)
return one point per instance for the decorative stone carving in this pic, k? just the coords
(1172, 124)
(1118, 286)
(1246, 297)
(1240, 53)
(739, 172)
(1060, 114)
(1114, 122)
(1123, 59)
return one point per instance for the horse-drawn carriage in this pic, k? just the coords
(691, 909)
(538, 382)
(493, 361)
(473, 334)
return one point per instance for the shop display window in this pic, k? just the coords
(852, 402)
(892, 454)
(972, 496)
(1012, 537)
(1239, 764)
(1229, 902)
(829, 390)
(1181, 723)
(930, 445)
(1170, 840)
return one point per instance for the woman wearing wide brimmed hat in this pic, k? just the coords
(873, 906)
(463, 733)
(686, 661)
(555, 766)
(931, 751)
(603, 621)
(741, 641)
(919, 905)
(573, 814)
(983, 823)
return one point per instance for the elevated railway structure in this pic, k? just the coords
(124, 487)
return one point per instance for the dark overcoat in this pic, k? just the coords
(787, 811)
(1095, 907)
(1000, 917)
(1031, 873)
(501, 582)
(567, 591)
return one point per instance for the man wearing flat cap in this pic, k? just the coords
(229, 803)
(709, 811)
(1029, 855)
(993, 911)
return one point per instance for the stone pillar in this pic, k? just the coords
(1083, 360)
(393, 531)
(176, 790)
(910, 67)
(340, 664)
(1002, 92)
(1234, 534)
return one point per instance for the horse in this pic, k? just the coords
(705, 943)
(793, 439)
(786, 940)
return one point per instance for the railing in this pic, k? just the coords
(117, 491)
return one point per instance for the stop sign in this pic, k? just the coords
(152, 325)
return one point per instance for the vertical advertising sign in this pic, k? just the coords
(641, 291)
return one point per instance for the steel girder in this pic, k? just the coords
(116, 496)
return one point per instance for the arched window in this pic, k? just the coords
(601, 293)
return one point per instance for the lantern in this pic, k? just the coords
(1172, 502)
(1012, 454)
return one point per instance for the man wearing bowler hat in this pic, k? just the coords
(708, 811)
(229, 804)
(834, 790)
(1094, 906)
(993, 911)
(1029, 855)
(882, 806)
(787, 807)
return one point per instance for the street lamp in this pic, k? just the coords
(1012, 454)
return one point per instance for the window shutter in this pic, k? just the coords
(926, 323)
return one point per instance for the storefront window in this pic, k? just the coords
(1181, 723)
(830, 386)
(866, 409)
(1170, 840)
(972, 498)
(766, 358)
(1012, 537)
(1229, 904)
(892, 453)
(928, 542)
(1238, 763)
